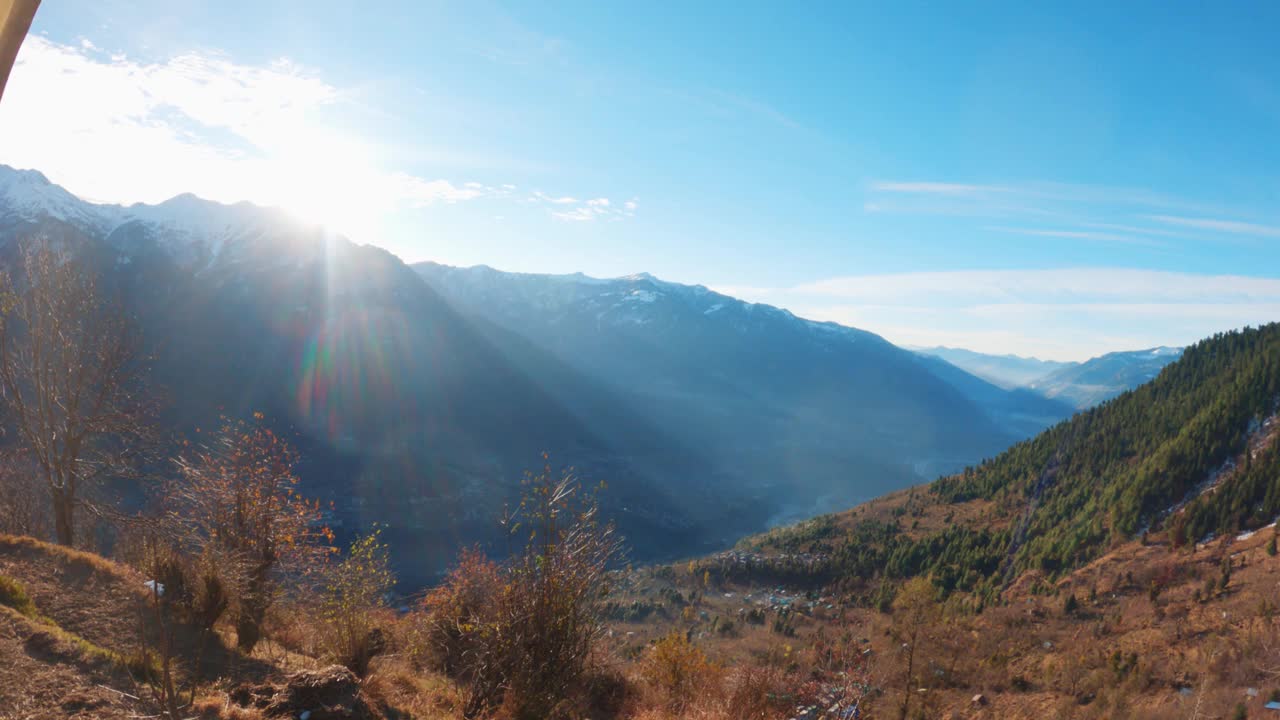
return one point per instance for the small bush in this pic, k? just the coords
(678, 670)
(454, 613)
(354, 590)
(210, 599)
(1071, 605)
(15, 596)
(756, 693)
(521, 636)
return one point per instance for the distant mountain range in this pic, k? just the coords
(420, 395)
(801, 412)
(1079, 384)
(1006, 371)
(1104, 377)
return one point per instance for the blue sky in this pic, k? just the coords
(1059, 181)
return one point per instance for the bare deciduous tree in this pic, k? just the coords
(72, 374)
(914, 612)
(237, 497)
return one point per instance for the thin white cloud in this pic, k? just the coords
(1137, 230)
(1079, 210)
(419, 192)
(1070, 313)
(934, 188)
(581, 214)
(1074, 235)
(1219, 225)
(587, 210)
(538, 195)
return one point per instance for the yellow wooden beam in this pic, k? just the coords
(15, 20)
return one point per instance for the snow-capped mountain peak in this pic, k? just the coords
(191, 229)
(29, 195)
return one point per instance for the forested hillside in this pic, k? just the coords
(1168, 456)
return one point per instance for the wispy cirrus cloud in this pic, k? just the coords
(1079, 212)
(1090, 235)
(1236, 227)
(935, 188)
(1071, 313)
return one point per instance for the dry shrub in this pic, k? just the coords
(237, 496)
(197, 588)
(756, 692)
(291, 625)
(680, 672)
(211, 592)
(355, 590)
(219, 708)
(605, 692)
(520, 636)
(454, 611)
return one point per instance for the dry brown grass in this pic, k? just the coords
(48, 672)
(13, 544)
(395, 685)
(1120, 655)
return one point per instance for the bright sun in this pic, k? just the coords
(331, 180)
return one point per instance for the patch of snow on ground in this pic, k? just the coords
(643, 296)
(714, 308)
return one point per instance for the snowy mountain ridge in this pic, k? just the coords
(189, 228)
(636, 299)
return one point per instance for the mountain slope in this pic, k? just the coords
(1020, 411)
(1006, 371)
(1079, 385)
(409, 414)
(798, 409)
(1195, 452)
(1121, 564)
(1101, 378)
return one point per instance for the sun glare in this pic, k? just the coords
(332, 182)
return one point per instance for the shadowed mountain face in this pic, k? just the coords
(800, 411)
(408, 413)
(419, 397)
